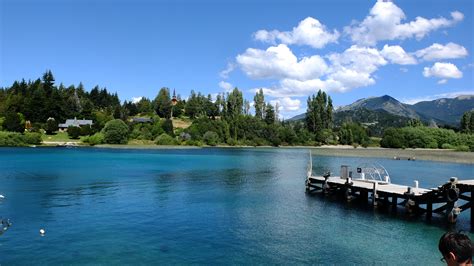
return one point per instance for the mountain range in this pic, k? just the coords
(373, 110)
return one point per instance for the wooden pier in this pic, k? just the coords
(449, 199)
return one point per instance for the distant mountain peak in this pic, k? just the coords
(465, 97)
(442, 111)
(385, 102)
(445, 110)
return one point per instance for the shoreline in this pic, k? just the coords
(437, 155)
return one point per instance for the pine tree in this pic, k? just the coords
(269, 114)
(259, 104)
(13, 122)
(48, 82)
(162, 103)
(329, 110)
(246, 107)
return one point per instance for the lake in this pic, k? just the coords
(201, 206)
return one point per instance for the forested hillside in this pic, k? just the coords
(31, 110)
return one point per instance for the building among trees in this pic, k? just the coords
(75, 122)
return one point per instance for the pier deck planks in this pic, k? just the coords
(386, 188)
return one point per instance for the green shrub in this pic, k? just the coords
(13, 122)
(96, 139)
(211, 138)
(14, 139)
(86, 130)
(165, 139)
(447, 146)
(156, 129)
(168, 127)
(32, 138)
(231, 142)
(193, 143)
(73, 132)
(115, 132)
(432, 145)
(51, 126)
(425, 137)
(11, 139)
(462, 148)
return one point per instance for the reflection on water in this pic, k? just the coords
(239, 206)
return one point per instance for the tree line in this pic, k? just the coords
(227, 118)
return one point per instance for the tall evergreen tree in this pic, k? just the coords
(13, 122)
(319, 113)
(235, 102)
(246, 107)
(465, 121)
(269, 114)
(48, 82)
(162, 103)
(259, 104)
(329, 111)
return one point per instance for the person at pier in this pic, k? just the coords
(456, 249)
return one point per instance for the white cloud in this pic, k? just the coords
(438, 51)
(385, 23)
(348, 70)
(308, 32)
(404, 69)
(360, 59)
(287, 104)
(136, 99)
(397, 55)
(355, 67)
(225, 73)
(442, 70)
(436, 96)
(226, 86)
(280, 62)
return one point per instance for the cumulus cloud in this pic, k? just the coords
(287, 104)
(438, 51)
(360, 59)
(293, 75)
(136, 99)
(308, 32)
(397, 55)
(350, 69)
(442, 70)
(353, 68)
(280, 62)
(384, 22)
(226, 86)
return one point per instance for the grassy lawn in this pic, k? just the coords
(59, 136)
(181, 123)
(140, 142)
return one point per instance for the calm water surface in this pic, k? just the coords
(238, 206)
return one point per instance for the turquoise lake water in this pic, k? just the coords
(203, 206)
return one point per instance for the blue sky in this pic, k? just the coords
(411, 50)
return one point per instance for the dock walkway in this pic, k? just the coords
(449, 199)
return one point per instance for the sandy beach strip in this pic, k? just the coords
(403, 154)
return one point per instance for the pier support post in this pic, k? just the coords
(429, 210)
(374, 194)
(364, 196)
(394, 203)
(472, 211)
(385, 201)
